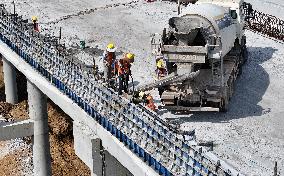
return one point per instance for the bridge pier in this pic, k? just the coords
(10, 81)
(38, 113)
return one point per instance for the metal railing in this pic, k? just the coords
(265, 24)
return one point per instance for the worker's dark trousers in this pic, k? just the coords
(123, 83)
(126, 83)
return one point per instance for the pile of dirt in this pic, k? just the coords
(63, 157)
(12, 163)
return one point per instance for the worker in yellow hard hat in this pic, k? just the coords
(161, 67)
(109, 58)
(123, 67)
(35, 23)
(139, 97)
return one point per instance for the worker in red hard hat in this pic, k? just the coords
(35, 23)
(123, 72)
(109, 58)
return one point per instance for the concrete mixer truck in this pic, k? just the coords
(204, 48)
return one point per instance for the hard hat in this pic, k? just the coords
(141, 94)
(34, 18)
(111, 47)
(160, 63)
(130, 56)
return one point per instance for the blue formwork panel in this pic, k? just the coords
(98, 117)
(126, 140)
(118, 134)
(151, 161)
(162, 170)
(70, 94)
(136, 148)
(102, 121)
(61, 85)
(93, 113)
(141, 153)
(132, 144)
(89, 110)
(114, 131)
(146, 157)
(75, 98)
(129, 142)
(67, 92)
(109, 126)
(122, 138)
(157, 165)
(81, 103)
(85, 106)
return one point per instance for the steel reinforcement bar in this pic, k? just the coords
(155, 141)
(265, 24)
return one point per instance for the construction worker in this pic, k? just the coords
(150, 102)
(123, 72)
(35, 23)
(109, 58)
(161, 68)
(139, 97)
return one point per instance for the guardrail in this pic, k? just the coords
(265, 24)
(156, 142)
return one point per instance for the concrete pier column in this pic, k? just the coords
(10, 82)
(38, 113)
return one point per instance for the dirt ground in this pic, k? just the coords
(16, 155)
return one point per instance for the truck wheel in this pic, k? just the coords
(224, 105)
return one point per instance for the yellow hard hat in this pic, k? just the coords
(110, 46)
(160, 63)
(34, 18)
(130, 56)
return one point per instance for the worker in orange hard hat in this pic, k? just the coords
(123, 72)
(150, 102)
(35, 23)
(109, 58)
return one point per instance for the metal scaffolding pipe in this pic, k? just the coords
(10, 82)
(41, 147)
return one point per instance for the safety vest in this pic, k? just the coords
(109, 58)
(36, 28)
(123, 66)
(150, 103)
